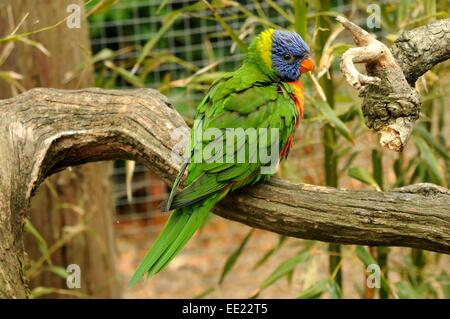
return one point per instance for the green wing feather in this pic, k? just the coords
(242, 99)
(168, 203)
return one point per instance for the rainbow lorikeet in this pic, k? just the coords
(265, 92)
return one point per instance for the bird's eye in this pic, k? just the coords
(288, 57)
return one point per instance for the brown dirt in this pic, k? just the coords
(198, 267)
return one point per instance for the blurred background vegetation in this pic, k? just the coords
(179, 47)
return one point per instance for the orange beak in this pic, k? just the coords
(306, 65)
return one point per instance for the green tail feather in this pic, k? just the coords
(180, 227)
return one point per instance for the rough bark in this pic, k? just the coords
(419, 50)
(391, 104)
(45, 130)
(88, 187)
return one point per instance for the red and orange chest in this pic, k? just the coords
(298, 98)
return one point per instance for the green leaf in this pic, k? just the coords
(348, 162)
(290, 276)
(228, 29)
(364, 256)
(377, 167)
(403, 9)
(102, 7)
(205, 293)
(406, 291)
(339, 49)
(334, 290)
(42, 244)
(287, 266)
(270, 252)
(232, 259)
(161, 6)
(363, 176)
(444, 280)
(316, 290)
(148, 47)
(281, 11)
(41, 291)
(433, 142)
(125, 74)
(58, 270)
(428, 157)
(104, 54)
(334, 120)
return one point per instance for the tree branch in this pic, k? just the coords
(419, 50)
(391, 105)
(43, 131)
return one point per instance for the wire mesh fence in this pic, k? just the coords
(134, 22)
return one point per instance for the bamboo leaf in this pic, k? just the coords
(281, 11)
(126, 75)
(339, 49)
(41, 242)
(161, 6)
(377, 167)
(270, 252)
(348, 162)
(10, 76)
(148, 47)
(102, 6)
(316, 290)
(433, 142)
(104, 54)
(334, 120)
(226, 27)
(205, 293)
(364, 256)
(232, 259)
(444, 280)
(428, 157)
(363, 176)
(334, 290)
(406, 290)
(41, 291)
(286, 266)
(58, 270)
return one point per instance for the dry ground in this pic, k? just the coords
(199, 265)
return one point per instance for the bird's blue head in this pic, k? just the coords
(284, 53)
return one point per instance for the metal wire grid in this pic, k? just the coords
(135, 21)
